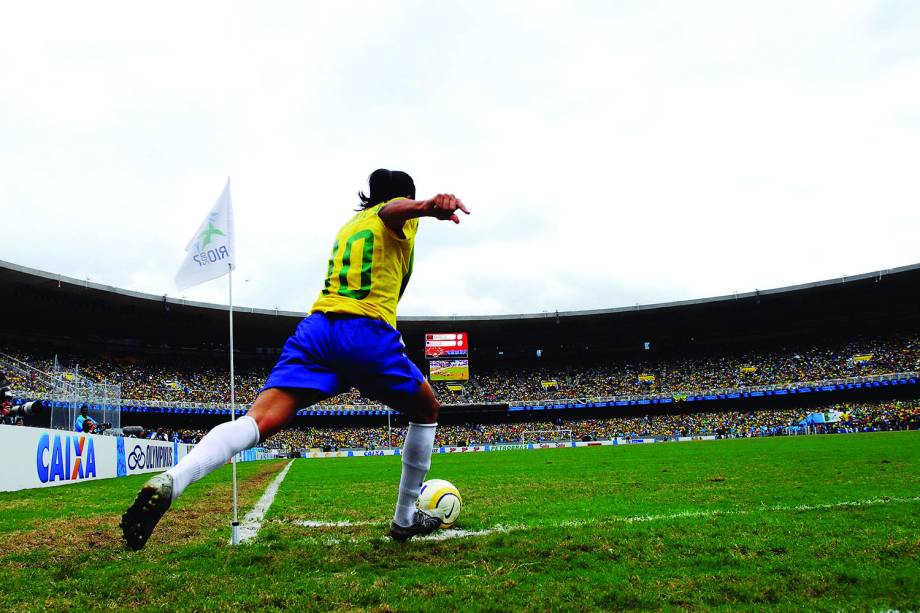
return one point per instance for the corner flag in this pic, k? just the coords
(211, 252)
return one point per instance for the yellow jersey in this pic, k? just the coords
(369, 268)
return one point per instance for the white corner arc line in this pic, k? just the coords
(456, 533)
(252, 523)
(441, 535)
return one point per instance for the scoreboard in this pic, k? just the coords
(446, 345)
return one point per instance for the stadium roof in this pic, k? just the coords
(53, 306)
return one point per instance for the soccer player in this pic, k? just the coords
(348, 340)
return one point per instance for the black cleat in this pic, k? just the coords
(423, 523)
(151, 503)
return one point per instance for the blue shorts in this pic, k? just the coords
(332, 353)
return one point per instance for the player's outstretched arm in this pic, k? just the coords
(442, 206)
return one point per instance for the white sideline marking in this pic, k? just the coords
(308, 523)
(774, 509)
(453, 533)
(252, 523)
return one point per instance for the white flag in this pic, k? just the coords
(210, 253)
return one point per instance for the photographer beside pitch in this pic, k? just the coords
(14, 414)
(6, 403)
(84, 423)
(348, 340)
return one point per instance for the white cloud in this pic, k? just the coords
(610, 154)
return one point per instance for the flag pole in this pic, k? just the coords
(217, 234)
(235, 526)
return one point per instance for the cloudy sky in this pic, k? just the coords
(611, 153)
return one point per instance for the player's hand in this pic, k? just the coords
(444, 207)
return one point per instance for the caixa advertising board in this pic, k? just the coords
(39, 457)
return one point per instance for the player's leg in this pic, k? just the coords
(371, 354)
(422, 408)
(300, 378)
(271, 411)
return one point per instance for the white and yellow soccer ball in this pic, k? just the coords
(440, 499)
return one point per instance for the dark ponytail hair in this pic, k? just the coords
(385, 185)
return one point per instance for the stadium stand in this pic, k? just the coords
(733, 424)
(853, 418)
(172, 380)
(692, 366)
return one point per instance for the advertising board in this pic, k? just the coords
(41, 457)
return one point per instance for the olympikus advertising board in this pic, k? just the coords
(137, 455)
(39, 457)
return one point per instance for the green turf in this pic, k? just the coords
(734, 525)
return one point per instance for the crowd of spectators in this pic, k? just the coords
(896, 415)
(853, 417)
(682, 375)
(182, 379)
(174, 379)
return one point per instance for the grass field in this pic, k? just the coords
(829, 523)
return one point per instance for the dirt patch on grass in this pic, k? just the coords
(63, 535)
(62, 539)
(183, 524)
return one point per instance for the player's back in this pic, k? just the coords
(369, 267)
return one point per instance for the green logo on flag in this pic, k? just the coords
(207, 235)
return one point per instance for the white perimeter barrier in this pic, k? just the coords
(39, 457)
(504, 447)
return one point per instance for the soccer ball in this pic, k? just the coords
(440, 499)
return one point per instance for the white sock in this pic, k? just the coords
(218, 446)
(416, 460)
